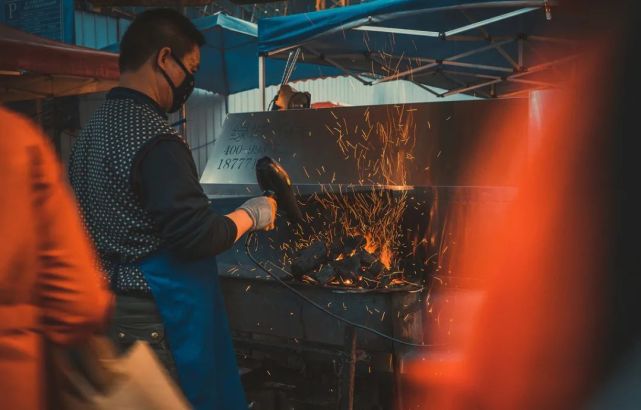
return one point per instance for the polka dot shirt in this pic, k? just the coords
(100, 173)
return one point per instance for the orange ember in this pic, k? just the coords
(381, 152)
(386, 256)
(369, 243)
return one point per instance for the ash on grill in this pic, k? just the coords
(346, 262)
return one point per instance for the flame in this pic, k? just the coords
(370, 246)
(386, 256)
(381, 152)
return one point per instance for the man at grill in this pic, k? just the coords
(156, 235)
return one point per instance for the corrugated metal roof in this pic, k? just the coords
(345, 90)
(98, 31)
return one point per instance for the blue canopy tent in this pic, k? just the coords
(229, 58)
(229, 61)
(488, 48)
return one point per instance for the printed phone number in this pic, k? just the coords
(237, 163)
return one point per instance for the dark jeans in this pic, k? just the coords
(137, 318)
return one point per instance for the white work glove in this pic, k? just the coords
(262, 211)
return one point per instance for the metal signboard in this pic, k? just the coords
(426, 144)
(52, 19)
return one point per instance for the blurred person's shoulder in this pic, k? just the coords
(18, 132)
(23, 144)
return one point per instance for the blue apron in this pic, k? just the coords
(190, 303)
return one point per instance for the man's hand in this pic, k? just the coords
(262, 211)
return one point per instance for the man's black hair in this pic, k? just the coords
(154, 29)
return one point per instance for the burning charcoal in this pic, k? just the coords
(309, 280)
(335, 250)
(310, 258)
(348, 268)
(353, 243)
(376, 268)
(325, 274)
(385, 280)
(367, 259)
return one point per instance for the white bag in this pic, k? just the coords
(103, 380)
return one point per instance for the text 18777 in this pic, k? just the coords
(237, 163)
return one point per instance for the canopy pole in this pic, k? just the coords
(183, 120)
(498, 47)
(515, 93)
(261, 81)
(544, 66)
(39, 109)
(382, 64)
(406, 73)
(471, 87)
(426, 88)
(468, 74)
(521, 60)
(337, 65)
(460, 83)
(530, 70)
(491, 77)
(394, 30)
(481, 66)
(490, 21)
(558, 40)
(449, 60)
(533, 82)
(452, 62)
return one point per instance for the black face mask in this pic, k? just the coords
(181, 92)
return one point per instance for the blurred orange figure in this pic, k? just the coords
(559, 312)
(50, 286)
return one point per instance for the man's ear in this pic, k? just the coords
(162, 57)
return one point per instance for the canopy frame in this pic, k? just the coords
(515, 69)
(449, 33)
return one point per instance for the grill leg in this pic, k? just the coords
(398, 384)
(349, 371)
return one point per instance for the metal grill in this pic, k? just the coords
(274, 329)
